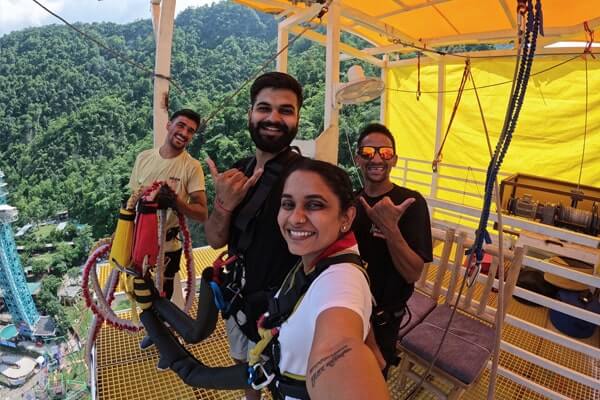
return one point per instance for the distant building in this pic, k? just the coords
(16, 369)
(16, 293)
(69, 295)
(23, 230)
(62, 215)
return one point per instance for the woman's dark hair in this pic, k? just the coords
(336, 179)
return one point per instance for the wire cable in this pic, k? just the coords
(261, 69)
(115, 53)
(487, 86)
(438, 156)
(522, 75)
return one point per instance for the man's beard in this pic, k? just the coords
(272, 144)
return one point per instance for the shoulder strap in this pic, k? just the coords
(282, 307)
(296, 285)
(268, 180)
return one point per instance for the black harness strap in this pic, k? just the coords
(247, 214)
(296, 284)
(281, 308)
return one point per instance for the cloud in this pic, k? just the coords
(181, 5)
(20, 14)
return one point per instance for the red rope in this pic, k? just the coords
(103, 250)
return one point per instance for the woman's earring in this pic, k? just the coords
(344, 228)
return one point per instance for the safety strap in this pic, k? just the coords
(290, 296)
(269, 178)
(297, 283)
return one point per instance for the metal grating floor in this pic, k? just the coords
(125, 372)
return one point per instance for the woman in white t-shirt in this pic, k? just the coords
(324, 338)
(322, 341)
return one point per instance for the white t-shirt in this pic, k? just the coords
(183, 173)
(340, 285)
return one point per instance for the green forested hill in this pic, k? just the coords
(73, 117)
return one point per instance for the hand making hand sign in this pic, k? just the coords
(385, 215)
(231, 186)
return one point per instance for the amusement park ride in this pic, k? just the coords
(12, 279)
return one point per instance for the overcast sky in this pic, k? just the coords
(20, 14)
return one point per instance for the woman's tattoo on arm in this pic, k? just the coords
(328, 361)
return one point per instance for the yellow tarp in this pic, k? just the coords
(549, 137)
(451, 21)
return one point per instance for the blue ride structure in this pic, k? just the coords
(12, 278)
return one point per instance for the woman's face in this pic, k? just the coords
(310, 217)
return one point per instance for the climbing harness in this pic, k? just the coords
(262, 371)
(229, 269)
(137, 246)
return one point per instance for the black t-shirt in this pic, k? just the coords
(388, 286)
(267, 258)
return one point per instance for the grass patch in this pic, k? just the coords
(42, 232)
(79, 317)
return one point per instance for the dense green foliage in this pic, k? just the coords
(73, 117)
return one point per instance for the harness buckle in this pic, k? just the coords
(259, 377)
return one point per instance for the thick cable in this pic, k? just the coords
(500, 306)
(516, 100)
(513, 111)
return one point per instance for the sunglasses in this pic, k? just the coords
(368, 152)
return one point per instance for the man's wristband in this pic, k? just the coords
(219, 205)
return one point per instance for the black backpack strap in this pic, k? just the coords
(282, 307)
(350, 258)
(269, 179)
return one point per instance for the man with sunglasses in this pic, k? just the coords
(393, 231)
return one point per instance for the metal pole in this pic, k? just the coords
(162, 67)
(328, 142)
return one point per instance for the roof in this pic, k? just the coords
(45, 326)
(33, 287)
(444, 22)
(23, 230)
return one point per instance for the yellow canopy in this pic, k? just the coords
(442, 22)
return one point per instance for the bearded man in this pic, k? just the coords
(246, 205)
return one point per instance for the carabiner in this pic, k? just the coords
(258, 377)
